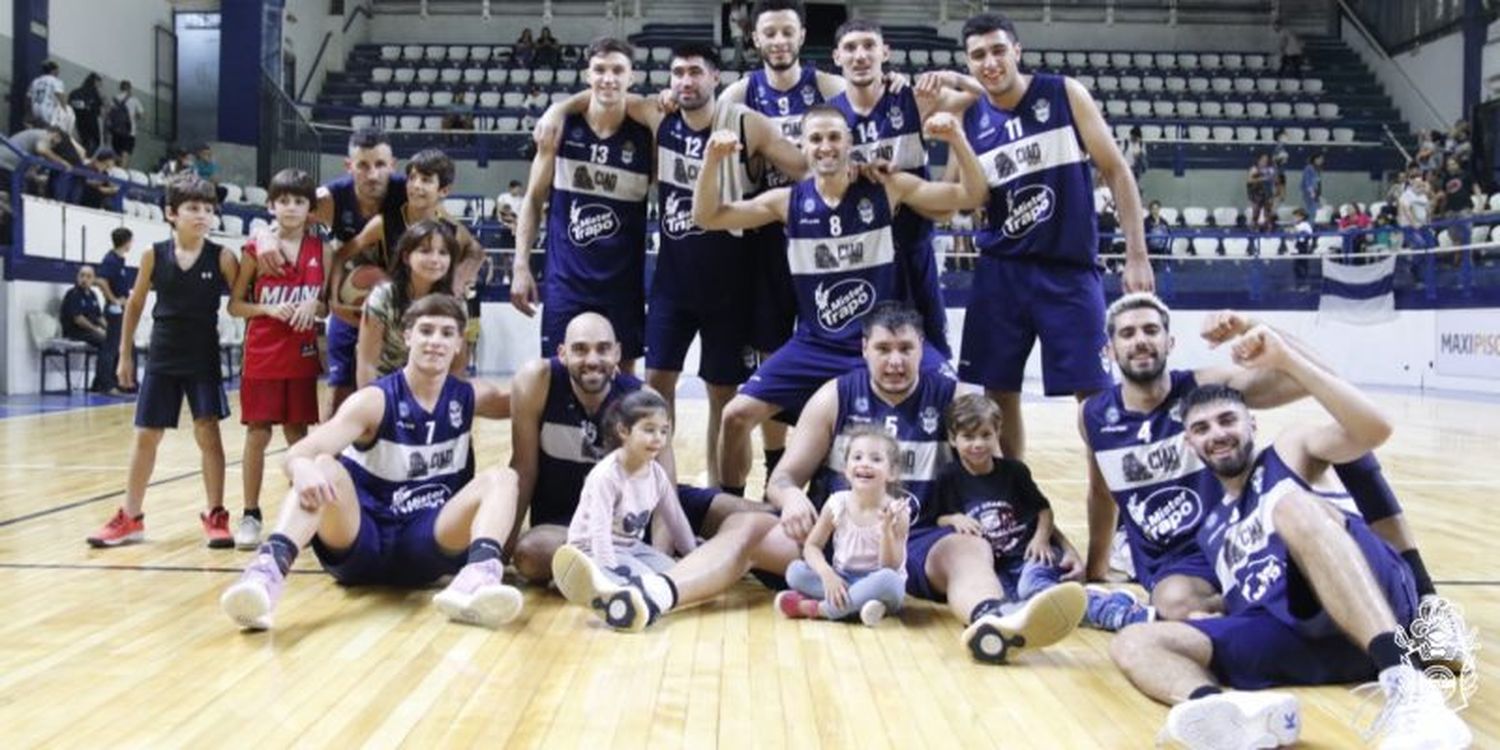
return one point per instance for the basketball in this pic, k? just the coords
(357, 283)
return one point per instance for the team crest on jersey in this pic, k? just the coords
(866, 211)
(808, 206)
(455, 415)
(1258, 478)
(627, 153)
(1175, 413)
(1166, 514)
(861, 404)
(1260, 576)
(1030, 206)
(808, 95)
(1112, 415)
(1042, 110)
(1004, 166)
(843, 303)
(898, 120)
(677, 219)
(589, 222)
(402, 410)
(929, 420)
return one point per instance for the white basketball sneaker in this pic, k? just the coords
(1234, 721)
(1415, 716)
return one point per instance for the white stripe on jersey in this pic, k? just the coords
(599, 180)
(919, 460)
(903, 151)
(1137, 466)
(668, 172)
(395, 462)
(565, 443)
(850, 252)
(1054, 148)
(1246, 536)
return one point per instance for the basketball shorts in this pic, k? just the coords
(801, 366)
(726, 355)
(919, 544)
(159, 403)
(1254, 649)
(1016, 302)
(774, 310)
(279, 401)
(628, 319)
(395, 552)
(1186, 559)
(342, 340)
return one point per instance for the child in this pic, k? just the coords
(868, 525)
(622, 491)
(280, 380)
(424, 265)
(189, 274)
(995, 498)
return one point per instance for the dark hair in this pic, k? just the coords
(515, 183)
(1210, 394)
(625, 412)
(50, 67)
(432, 161)
(1300, 212)
(823, 109)
(1136, 301)
(415, 237)
(105, 152)
(293, 182)
(445, 305)
(368, 138)
(862, 431)
(708, 52)
(856, 24)
(191, 188)
(91, 79)
(771, 6)
(892, 316)
(604, 45)
(120, 236)
(971, 411)
(985, 23)
(125, 85)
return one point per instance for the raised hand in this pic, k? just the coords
(942, 126)
(1260, 348)
(723, 144)
(1222, 326)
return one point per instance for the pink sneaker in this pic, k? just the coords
(795, 606)
(251, 601)
(478, 596)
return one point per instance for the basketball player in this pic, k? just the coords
(841, 254)
(556, 438)
(386, 492)
(891, 390)
(597, 178)
(1311, 595)
(1038, 273)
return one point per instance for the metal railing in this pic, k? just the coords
(287, 137)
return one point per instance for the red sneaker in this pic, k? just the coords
(794, 605)
(121, 529)
(216, 528)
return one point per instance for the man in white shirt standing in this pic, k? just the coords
(47, 95)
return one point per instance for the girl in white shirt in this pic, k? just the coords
(868, 525)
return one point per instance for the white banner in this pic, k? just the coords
(1468, 343)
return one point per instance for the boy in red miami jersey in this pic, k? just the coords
(280, 383)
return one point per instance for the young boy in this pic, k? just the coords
(189, 274)
(280, 380)
(995, 498)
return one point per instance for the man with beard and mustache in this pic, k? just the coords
(1312, 596)
(557, 410)
(1135, 434)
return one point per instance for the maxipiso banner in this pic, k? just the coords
(1468, 343)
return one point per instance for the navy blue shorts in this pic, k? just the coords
(799, 368)
(774, 310)
(160, 401)
(402, 552)
(1015, 302)
(726, 356)
(628, 319)
(343, 339)
(1255, 649)
(696, 501)
(919, 545)
(1186, 560)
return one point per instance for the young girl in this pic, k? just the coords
(622, 491)
(280, 384)
(424, 265)
(868, 525)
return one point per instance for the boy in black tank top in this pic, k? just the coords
(189, 274)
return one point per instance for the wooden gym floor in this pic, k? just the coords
(127, 647)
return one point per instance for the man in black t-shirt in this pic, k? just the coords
(82, 320)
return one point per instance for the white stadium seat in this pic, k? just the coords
(411, 122)
(1257, 110)
(1194, 216)
(427, 75)
(1176, 84)
(1205, 246)
(473, 76)
(1328, 111)
(436, 53)
(412, 52)
(1163, 108)
(1236, 247)
(489, 99)
(1246, 133)
(380, 75)
(1198, 85)
(1305, 110)
(543, 76)
(1119, 60)
(1234, 61)
(1211, 61)
(513, 99)
(390, 52)
(1289, 85)
(1343, 135)
(569, 76)
(1188, 61)
(451, 76)
(1266, 85)
(1313, 86)
(395, 98)
(1223, 133)
(1281, 110)
(405, 75)
(494, 76)
(369, 98)
(1074, 59)
(1166, 60)
(479, 53)
(1187, 108)
(1212, 109)
(1140, 108)
(1198, 133)
(458, 54)
(1235, 110)
(442, 98)
(418, 98)
(1295, 135)
(1142, 60)
(1319, 135)
(256, 196)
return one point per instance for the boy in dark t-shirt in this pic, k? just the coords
(996, 498)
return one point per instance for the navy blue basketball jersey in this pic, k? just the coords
(842, 259)
(695, 267)
(916, 423)
(1041, 202)
(347, 220)
(784, 109)
(1251, 559)
(596, 221)
(1158, 482)
(419, 459)
(572, 441)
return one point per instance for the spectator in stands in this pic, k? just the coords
(40, 143)
(1312, 184)
(1291, 50)
(1135, 153)
(1158, 241)
(123, 121)
(507, 207)
(1414, 209)
(82, 320)
(1259, 184)
(548, 50)
(208, 170)
(114, 280)
(1457, 144)
(739, 31)
(962, 224)
(1459, 191)
(1428, 157)
(87, 103)
(524, 50)
(536, 101)
(176, 163)
(99, 192)
(1302, 230)
(46, 95)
